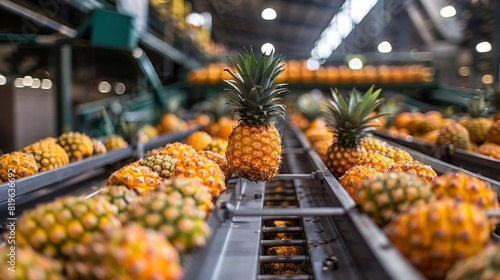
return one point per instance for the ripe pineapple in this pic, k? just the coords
(479, 124)
(47, 153)
(163, 165)
(17, 164)
(436, 235)
(398, 155)
(489, 149)
(120, 196)
(98, 147)
(315, 134)
(465, 187)
(147, 133)
(217, 146)
(385, 195)
(494, 133)
(455, 134)
(354, 176)
(349, 122)
(374, 145)
(55, 228)
(139, 178)
(77, 145)
(115, 142)
(220, 160)
(174, 215)
(321, 147)
(130, 253)
(254, 146)
(425, 172)
(199, 140)
(309, 105)
(29, 265)
(376, 161)
(483, 265)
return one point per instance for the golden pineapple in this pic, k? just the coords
(455, 134)
(321, 147)
(120, 196)
(77, 145)
(374, 145)
(28, 265)
(483, 265)
(436, 235)
(425, 172)
(315, 134)
(493, 135)
(217, 146)
(398, 155)
(98, 147)
(141, 179)
(129, 253)
(385, 195)
(490, 150)
(163, 165)
(147, 133)
(465, 187)
(199, 140)
(17, 165)
(47, 153)
(354, 176)
(115, 142)
(478, 129)
(219, 159)
(350, 122)
(254, 146)
(376, 161)
(56, 228)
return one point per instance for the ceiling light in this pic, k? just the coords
(104, 87)
(384, 47)
(355, 63)
(448, 11)
(195, 19)
(36, 83)
(120, 88)
(268, 14)
(3, 80)
(46, 84)
(464, 71)
(312, 64)
(487, 79)
(483, 47)
(18, 83)
(27, 81)
(267, 48)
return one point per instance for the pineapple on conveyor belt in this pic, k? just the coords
(455, 134)
(220, 160)
(163, 165)
(354, 176)
(254, 148)
(425, 172)
(136, 177)
(177, 216)
(55, 229)
(28, 265)
(483, 265)
(17, 165)
(98, 147)
(77, 145)
(217, 146)
(199, 140)
(115, 142)
(374, 145)
(120, 196)
(434, 236)
(490, 150)
(47, 153)
(130, 253)
(350, 122)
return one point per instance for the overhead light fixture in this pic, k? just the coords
(267, 48)
(46, 84)
(384, 47)
(483, 47)
(340, 27)
(355, 63)
(448, 11)
(464, 71)
(268, 14)
(27, 81)
(120, 88)
(36, 83)
(487, 79)
(195, 19)
(104, 87)
(3, 80)
(18, 83)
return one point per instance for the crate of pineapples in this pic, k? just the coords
(441, 218)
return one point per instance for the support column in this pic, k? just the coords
(64, 82)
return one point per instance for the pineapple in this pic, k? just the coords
(374, 145)
(147, 133)
(192, 165)
(354, 176)
(309, 104)
(163, 165)
(494, 133)
(483, 265)
(77, 145)
(120, 196)
(220, 125)
(376, 161)
(455, 134)
(479, 124)
(490, 150)
(350, 123)
(495, 100)
(315, 134)
(130, 253)
(98, 147)
(47, 153)
(387, 194)
(173, 214)
(436, 235)
(254, 146)
(321, 147)
(115, 142)
(17, 165)
(397, 155)
(169, 121)
(139, 178)
(56, 228)
(467, 188)
(199, 140)
(217, 146)
(29, 265)
(425, 172)
(189, 188)
(220, 160)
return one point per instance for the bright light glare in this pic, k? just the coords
(464, 71)
(267, 48)
(384, 47)
(3, 80)
(18, 83)
(483, 47)
(36, 83)
(448, 11)
(487, 79)
(137, 52)
(104, 87)
(195, 19)
(120, 88)
(355, 63)
(27, 81)
(268, 14)
(46, 84)
(312, 64)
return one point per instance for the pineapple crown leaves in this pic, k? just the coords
(479, 106)
(252, 94)
(350, 120)
(309, 106)
(494, 92)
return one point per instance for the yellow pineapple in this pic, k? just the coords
(350, 122)
(47, 153)
(219, 159)
(479, 124)
(354, 176)
(17, 165)
(140, 178)
(315, 134)
(374, 145)
(199, 140)
(398, 155)
(490, 150)
(98, 147)
(483, 265)
(77, 145)
(493, 135)
(29, 265)
(425, 172)
(455, 134)
(321, 147)
(114, 142)
(434, 236)
(376, 161)
(217, 146)
(254, 146)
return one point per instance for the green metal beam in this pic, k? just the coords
(64, 103)
(151, 76)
